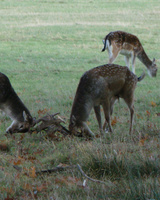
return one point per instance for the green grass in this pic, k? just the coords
(45, 48)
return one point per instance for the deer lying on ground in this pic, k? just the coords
(102, 85)
(11, 104)
(129, 46)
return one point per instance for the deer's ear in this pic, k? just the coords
(154, 60)
(24, 116)
(27, 117)
(73, 120)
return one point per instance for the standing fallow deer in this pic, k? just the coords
(12, 106)
(129, 46)
(102, 86)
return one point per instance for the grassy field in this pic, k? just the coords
(45, 48)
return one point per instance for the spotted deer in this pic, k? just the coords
(129, 46)
(12, 106)
(102, 85)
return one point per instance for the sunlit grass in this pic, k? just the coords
(45, 48)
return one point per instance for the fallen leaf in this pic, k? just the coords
(149, 91)
(18, 60)
(153, 104)
(22, 136)
(114, 121)
(148, 113)
(38, 101)
(4, 147)
(27, 186)
(141, 142)
(143, 139)
(43, 111)
(32, 172)
(17, 162)
(139, 117)
(41, 187)
(39, 151)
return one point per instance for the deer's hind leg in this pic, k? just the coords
(130, 104)
(113, 51)
(126, 58)
(107, 111)
(133, 62)
(112, 102)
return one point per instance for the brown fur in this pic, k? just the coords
(102, 86)
(12, 105)
(129, 46)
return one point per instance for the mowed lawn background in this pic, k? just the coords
(45, 48)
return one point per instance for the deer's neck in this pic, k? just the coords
(14, 107)
(144, 59)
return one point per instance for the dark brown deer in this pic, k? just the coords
(12, 106)
(102, 86)
(129, 46)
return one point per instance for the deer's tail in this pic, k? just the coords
(104, 48)
(105, 41)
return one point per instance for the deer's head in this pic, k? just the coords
(21, 126)
(75, 126)
(153, 69)
(72, 124)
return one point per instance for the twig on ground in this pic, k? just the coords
(62, 168)
(51, 124)
(56, 169)
(91, 179)
(17, 168)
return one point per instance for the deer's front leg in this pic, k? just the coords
(126, 58)
(133, 62)
(106, 108)
(98, 116)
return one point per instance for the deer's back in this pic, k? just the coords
(5, 88)
(105, 81)
(125, 40)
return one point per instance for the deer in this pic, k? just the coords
(124, 43)
(12, 106)
(102, 86)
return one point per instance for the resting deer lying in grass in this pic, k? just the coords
(102, 86)
(129, 46)
(11, 104)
